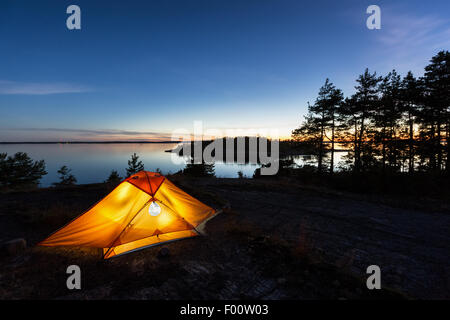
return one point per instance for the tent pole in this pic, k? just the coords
(115, 239)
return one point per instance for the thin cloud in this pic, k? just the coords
(409, 31)
(409, 40)
(88, 131)
(87, 134)
(34, 88)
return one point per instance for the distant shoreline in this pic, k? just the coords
(88, 142)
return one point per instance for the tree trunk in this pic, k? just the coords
(355, 146)
(320, 160)
(432, 147)
(332, 148)
(411, 142)
(447, 141)
(438, 145)
(360, 138)
(384, 150)
(392, 149)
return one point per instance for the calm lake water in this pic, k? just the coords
(91, 163)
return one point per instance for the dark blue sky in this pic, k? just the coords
(140, 69)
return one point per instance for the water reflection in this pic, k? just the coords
(91, 163)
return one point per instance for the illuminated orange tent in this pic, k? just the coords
(144, 210)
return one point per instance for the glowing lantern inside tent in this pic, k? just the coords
(154, 209)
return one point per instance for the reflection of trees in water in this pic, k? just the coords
(340, 160)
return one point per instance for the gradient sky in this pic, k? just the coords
(140, 69)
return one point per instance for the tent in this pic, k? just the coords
(145, 209)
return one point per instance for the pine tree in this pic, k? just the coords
(335, 101)
(411, 93)
(387, 119)
(134, 165)
(65, 177)
(436, 111)
(320, 120)
(363, 106)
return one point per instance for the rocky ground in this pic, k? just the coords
(275, 240)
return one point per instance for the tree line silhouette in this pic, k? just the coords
(390, 124)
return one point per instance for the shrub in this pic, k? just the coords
(114, 177)
(20, 171)
(65, 177)
(199, 170)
